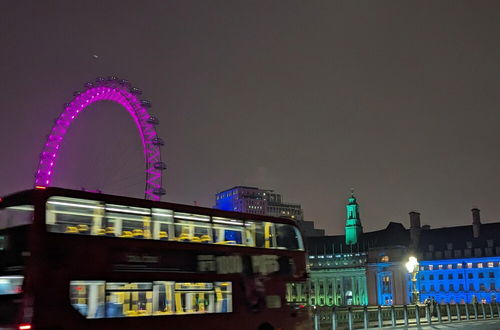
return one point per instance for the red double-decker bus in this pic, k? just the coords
(80, 260)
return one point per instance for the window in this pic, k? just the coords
(479, 265)
(386, 284)
(490, 264)
(73, 216)
(492, 286)
(451, 288)
(122, 221)
(163, 224)
(14, 216)
(384, 259)
(11, 284)
(450, 276)
(491, 274)
(3, 243)
(87, 217)
(469, 265)
(431, 277)
(470, 275)
(450, 266)
(471, 287)
(460, 276)
(88, 298)
(99, 299)
(440, 266)
(440, 276)
(431, 267)
(459, 266)
(481, 275)
(260, 234)
(288, 237)
(193, 228)
(441, 287)
(228, 231)
(432, 288)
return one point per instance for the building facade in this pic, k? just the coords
(257, 201)
(459, 264)
(456, 264)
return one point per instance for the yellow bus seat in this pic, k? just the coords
(127, 234)
(101, 232)
(83, 228)
(163, 235)
(138, 233)
(71, 230)
(196, 239)
(110, 231)
(184, 238)
(205, 239)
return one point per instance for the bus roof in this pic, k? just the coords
(41, 194)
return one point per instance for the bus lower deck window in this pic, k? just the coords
(99, 299)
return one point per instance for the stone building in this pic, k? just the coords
(457, 264)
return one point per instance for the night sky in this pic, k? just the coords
(396, 99)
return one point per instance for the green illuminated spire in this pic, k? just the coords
(353, 228)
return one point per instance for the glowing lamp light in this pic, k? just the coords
(411, 264)
(25, 326)
(40, 187)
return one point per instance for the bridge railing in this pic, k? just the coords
(364, 317)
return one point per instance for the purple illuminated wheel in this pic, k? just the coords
(119, 91)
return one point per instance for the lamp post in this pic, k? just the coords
(412, 267)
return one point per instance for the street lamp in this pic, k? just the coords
(412, 267)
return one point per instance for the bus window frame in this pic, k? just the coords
(188, 222)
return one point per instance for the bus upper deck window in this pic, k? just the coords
(260, 234)
(192, 228)
(73, 216)
(14, 216)
(127, 222)
(228, 231)
(163, 224)
(288, 237)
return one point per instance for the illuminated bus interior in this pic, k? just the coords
(87, 217)
(100, 299)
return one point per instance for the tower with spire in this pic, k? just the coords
(353, 228)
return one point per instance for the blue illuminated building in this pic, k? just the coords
(257, 201)
(460, 280)
(459, 264)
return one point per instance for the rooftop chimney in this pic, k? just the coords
(476, 222)
(414, 229)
